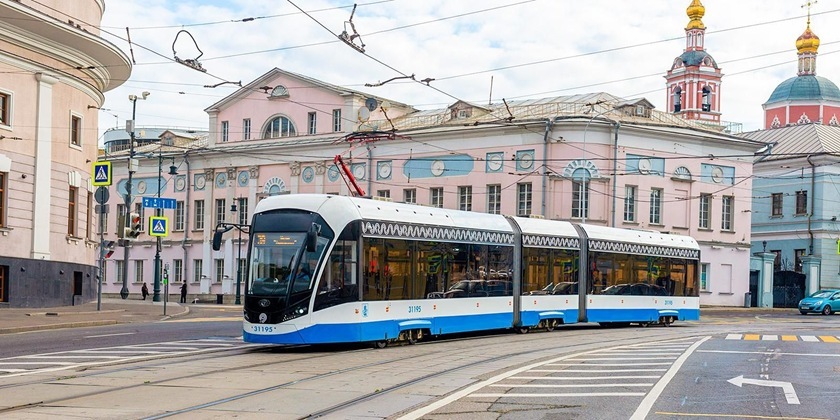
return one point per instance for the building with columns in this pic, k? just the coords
(591, 158)
(54, 75)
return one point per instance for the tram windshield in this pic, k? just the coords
(279, 261)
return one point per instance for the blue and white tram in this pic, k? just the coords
(335, 269)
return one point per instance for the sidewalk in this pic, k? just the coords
(112, 311)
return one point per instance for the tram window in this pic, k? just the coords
(338, 283)
(536, 278)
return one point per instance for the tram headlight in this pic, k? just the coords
(297, 311)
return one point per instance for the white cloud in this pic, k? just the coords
(542, 30)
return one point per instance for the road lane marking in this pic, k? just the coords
(647, 403)
(829, 339)
(469, 391)
(610, 364)
(787, 387)
(740, 416)
(751, 337)
(581, 378)
(572, 394)
(110, 335)
(567, 385)
(771, 353)
(810, 338)
(734, 336)
(789, 338)
(770, 338)
(612, 359)
(596, 370)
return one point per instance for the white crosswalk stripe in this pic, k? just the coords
(57, 361)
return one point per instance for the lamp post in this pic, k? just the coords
(159, 212)
(128, 198)
(234, 209)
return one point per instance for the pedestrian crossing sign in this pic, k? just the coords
(159, 226)
(101, 173)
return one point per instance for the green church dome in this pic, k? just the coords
(805, 88)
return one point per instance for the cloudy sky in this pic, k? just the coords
(530, 49)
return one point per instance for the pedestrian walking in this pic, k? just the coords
(184, 292)
(144, 290)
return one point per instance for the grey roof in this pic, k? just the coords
(694, 58)
(798, 140)
(805, 87)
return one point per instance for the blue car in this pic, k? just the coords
(824, 302)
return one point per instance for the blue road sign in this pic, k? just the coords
(101, 174)
(159, 226)
(159, 203)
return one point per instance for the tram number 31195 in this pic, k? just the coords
(414, 309)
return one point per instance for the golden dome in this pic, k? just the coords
(807, 42)
(695, 12)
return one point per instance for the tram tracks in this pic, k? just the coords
(482, 348)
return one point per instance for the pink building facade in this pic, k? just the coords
(54, 76)
(591, 158)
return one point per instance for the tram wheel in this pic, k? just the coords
(522, 330)
(380, 344)
(550, 324)
(412, 336)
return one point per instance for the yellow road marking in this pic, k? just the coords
(789, 338)
(829, 339)
(752, 337)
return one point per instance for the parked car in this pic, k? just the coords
(824, 302)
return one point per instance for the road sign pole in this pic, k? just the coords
(101, 273)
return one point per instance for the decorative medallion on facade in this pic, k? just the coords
(543, 241)
(199, 182)
(308, 174)
(833, 121)
(383, 170)
(495, 162)
(359, 171)
(243, 178)
(332, 173)
(221, 179)
(776, 123)
(180, 183)
(569, 170)
(274, 186)
(524, 160)
(434, 233)
(651, 250)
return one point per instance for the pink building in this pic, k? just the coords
(591, 158)
(54, 76)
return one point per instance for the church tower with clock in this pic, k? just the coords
(694, 80)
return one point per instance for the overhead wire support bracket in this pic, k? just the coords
(389, 80)
(350, 39)
(192, 63)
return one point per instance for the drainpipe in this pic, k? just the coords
(370, 171)
(186, 219)
(548, 125)
(615, 171)
(811, 213)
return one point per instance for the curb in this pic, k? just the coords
(13, 330)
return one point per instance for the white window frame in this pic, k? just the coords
(410, 195)
(494, 198)
(198, 215)
(726, 212)
(436, 197)
(336, 120)
(198, 266)
(705, 212)
(312, 123)
(179, 216)
(656, 206)
(630, 203)
(225, 131)
(465, 198)
(246, 129)
(6, 109)
(75, 140)
(524, 199)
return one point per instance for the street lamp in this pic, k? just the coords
(159, 212)
(128, 198)
(234, 209)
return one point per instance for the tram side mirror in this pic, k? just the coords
(217, 241)
(312, 238)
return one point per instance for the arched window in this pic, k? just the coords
(580, 192)
(677, 99)
(707, 99)
(279, 127)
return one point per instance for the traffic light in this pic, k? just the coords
(132, 231)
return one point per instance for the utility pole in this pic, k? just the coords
(158, 212)
(128, 198)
